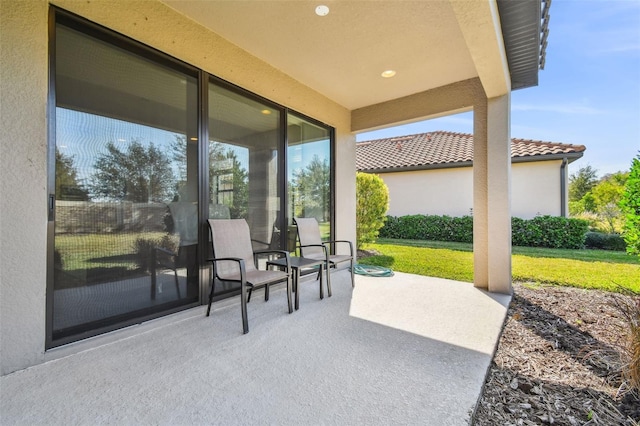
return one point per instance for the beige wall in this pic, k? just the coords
(23, 164)
(23, 139)
(535, 190)
(431, 192)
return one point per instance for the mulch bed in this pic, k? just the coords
(559, 362)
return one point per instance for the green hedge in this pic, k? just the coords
(421, 227)
(541, 231)
(602, 241)
(549, 231)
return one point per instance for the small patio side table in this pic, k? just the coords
(296, 264)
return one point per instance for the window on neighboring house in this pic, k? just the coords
(224, 189)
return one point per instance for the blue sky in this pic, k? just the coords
(588, 93)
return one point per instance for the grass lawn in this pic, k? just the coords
(86, 251)
(600, 269)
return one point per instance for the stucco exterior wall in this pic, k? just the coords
(23, 165)
(430, 192)
(535, 190)
(24, 88)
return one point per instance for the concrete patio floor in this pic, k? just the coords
(401, 350)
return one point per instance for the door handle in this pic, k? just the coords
(52, 206)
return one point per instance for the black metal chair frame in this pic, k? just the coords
(245, 285)
(331, 261)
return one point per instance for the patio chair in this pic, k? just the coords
(312, 247)
(235, 261)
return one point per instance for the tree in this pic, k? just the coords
(228, 180)
(606, 195)
(581, 182)
(630, 206)
(140, 174)
(311, 187)
(372, 203)
(599, 199)
(67, 185)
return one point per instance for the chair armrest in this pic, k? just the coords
(220, 259)
(322, 246)
(240, 262)
(342, 241)
(314, 245)
(282, 253)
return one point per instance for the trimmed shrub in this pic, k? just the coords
(604, 241)
(422, 227)
(541, 231)
(549, 231)
(372, 204)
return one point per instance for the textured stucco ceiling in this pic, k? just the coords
(342, 55)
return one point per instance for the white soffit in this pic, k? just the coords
(342, 55)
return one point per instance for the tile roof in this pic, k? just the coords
(447, 149)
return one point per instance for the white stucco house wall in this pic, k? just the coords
(432, 174)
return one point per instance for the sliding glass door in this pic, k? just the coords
(126, 184)
(143, 150)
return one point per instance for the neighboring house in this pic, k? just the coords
(240, 99)
(432, 173)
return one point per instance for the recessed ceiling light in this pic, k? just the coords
(193, 139)
(322, 10)
(388, 73)
(266, 111)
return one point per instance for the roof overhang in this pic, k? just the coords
(570, 157)
(525, 28)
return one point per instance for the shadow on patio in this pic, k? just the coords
(400, 350)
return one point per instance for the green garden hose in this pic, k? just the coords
(372, 271)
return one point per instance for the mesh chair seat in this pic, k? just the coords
(334, 258)
(257, 278)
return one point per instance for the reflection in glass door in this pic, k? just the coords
(126, 224)
(308, 174)
(244, 140)
(126, 210)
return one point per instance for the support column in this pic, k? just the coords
(492, 194)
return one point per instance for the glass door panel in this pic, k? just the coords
(126, 210)
(244, 139)
(308, 174)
